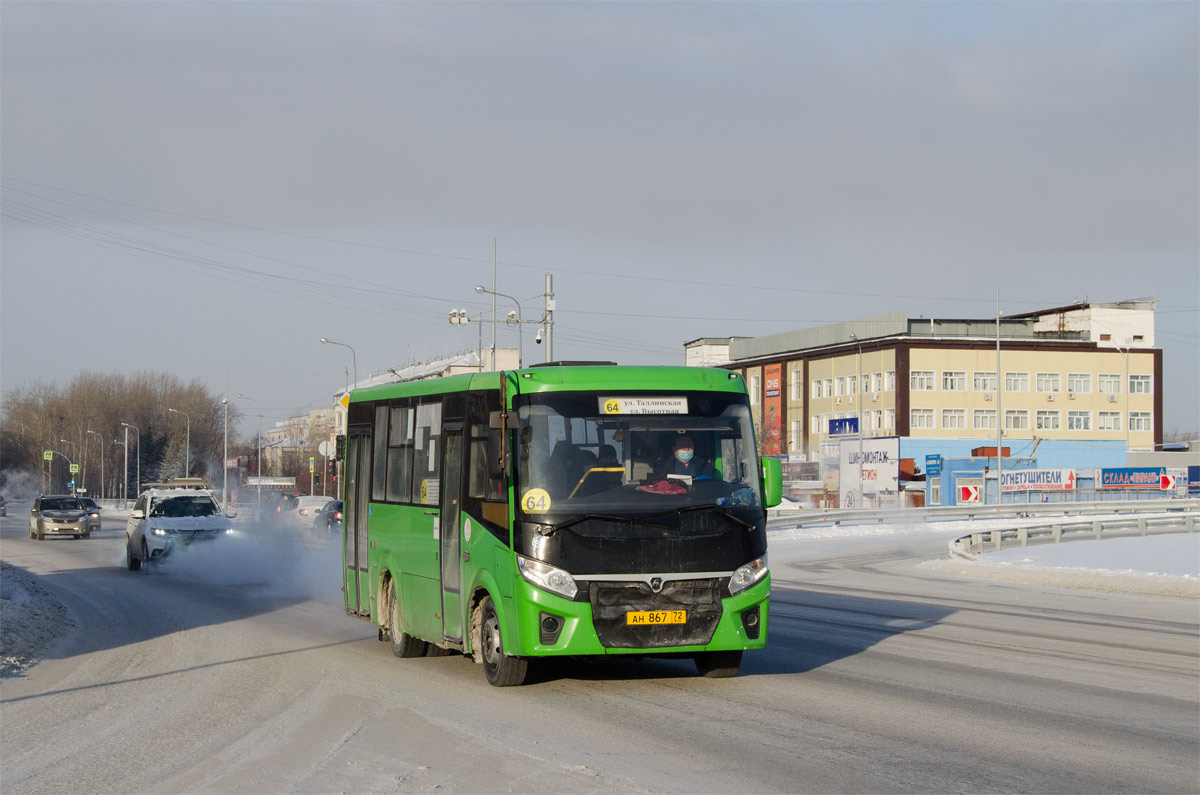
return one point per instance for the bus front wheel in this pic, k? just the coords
(718, 664)
(501, 670)
(403, 644)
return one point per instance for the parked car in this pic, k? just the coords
(329, 518)
(93, 509)
(165, 520)
(58, 515)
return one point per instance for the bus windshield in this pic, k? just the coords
(624, 454)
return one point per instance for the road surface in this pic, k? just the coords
(242, 674)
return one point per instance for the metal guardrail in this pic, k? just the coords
(812, 517)
(969, 546)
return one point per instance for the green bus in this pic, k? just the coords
(542, 512)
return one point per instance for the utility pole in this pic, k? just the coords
(548, 318)
(999, 413)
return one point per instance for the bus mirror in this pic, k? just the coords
(772, 492)
(494, 452)
(496, 420)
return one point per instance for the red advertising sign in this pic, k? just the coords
(772, 410)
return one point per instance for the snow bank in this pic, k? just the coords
(30, 619)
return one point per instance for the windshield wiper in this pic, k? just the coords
(721, 509)
(603, 518)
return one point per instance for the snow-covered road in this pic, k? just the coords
(882, 675)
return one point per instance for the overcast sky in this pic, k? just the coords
(209, 188)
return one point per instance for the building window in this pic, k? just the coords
(1079, 420)
(889, 418)
(877, 420)
(1049, 382)
(876, 382)
(797, 434)
(984, 419)
(1016, 420)
(920, 418)
(828, 387)
(984, 381)
(1141, 421)
(755, 388)
(816, 389)
(839, 386)
(1109, 421)
(1139, 385)
(954, 419)
(1016, 382)
(1079, 383)
(920, 381)
(797, 386)
(954, 381)
(852, 385)
(1048, 420)
(935, 491)
(815, 426)
(889, 381)
(1109, 383)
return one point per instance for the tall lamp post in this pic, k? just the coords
(70, 463)
(138, 434)
(247, 397)
(858, 389)
(353, 354)
(101, 438)
(225, 450)
(479, 288)
(1125, 388)
(187, 445)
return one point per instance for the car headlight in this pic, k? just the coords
(548, 577)
(162, 531)
(747, 575)
(228, 531)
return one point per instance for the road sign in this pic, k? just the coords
(1167, 482)
(48, 455)
(325, 449)
(75, 468)
(312, 466)
(968, 494)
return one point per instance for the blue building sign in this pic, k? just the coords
(844, 426)
(1131, 478)
(933, 466)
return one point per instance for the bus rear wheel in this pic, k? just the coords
(403, 644)
(500, 669)
(718, 664)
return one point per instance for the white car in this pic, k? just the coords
(305, 509)
(165, 520)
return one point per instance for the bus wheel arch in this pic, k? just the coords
(502, 669)
(403, 644)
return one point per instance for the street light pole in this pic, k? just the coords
(138, 433)
(1125, 387)
(187, 445)
(353, 354)
(101, 438)
(225, 450)
(479, 288)
(70, 463)
(247, 397)
(858, 389)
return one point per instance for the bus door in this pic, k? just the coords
(451, 528)
(354, 523)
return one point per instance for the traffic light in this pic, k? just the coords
(339, 452)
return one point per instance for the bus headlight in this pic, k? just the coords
(550, 578)
(747, 575)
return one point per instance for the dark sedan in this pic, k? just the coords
(93, 509)
(329, 518)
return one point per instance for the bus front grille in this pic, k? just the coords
(611, 601)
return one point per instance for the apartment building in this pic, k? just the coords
(1079, 384)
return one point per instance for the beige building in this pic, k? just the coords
(1087, 373)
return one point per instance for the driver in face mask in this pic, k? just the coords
(685, 461)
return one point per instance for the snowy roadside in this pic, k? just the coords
(1165, 564)
(30, 618)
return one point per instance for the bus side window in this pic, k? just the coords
(400, 454)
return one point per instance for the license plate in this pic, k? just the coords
(652, 617)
